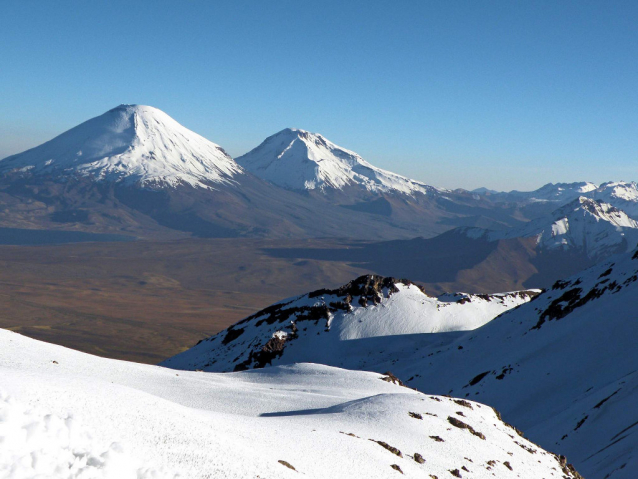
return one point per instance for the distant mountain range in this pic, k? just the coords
(592, 228)
(571, 238)
(620, 194)
(135, 172)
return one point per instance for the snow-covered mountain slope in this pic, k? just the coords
(587, 226)
(131, 144)
(318, 326)
(563, 367)
(300, 160)
(64, 414)
(621, 194)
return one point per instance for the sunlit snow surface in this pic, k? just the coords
(131, 144)
(592, 227)
(322, 421)
(300, 160)
(35, 443)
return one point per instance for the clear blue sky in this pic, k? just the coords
(507, 94)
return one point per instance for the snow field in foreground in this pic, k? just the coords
(324, 422)
(36, 444)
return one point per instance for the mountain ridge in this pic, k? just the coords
(370, 306)
(594, 227)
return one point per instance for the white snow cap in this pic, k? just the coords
(300, 160)
(131, 144)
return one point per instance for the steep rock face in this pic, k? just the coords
(323, 323)
(133, 144)
(300, 160)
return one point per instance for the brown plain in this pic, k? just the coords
(146, 301)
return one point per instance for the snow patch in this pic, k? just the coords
(34, 444)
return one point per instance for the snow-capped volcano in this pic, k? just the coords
(300, 160)
(131, 144)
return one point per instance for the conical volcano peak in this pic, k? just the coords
(136, 144)
(300, 160)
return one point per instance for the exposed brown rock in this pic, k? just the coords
(460, 424)
(387, 446)
(287, 464)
